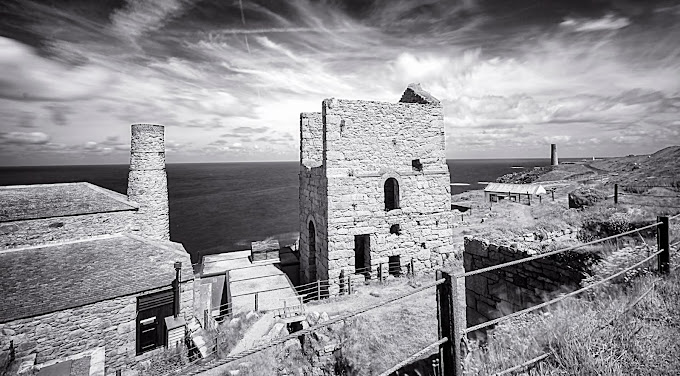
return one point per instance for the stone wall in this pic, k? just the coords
(148, 182)
(40, 231)
(109, 324)
(311, 139)
(313, 208)
(510, 289)
(365, 144)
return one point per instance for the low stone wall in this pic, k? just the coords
(31, 232)
(510, 289)
(109, 324)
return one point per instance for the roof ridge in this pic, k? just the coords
(113, 194)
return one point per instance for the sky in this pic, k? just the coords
(229, 78)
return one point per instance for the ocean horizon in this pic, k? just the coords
(223, 206)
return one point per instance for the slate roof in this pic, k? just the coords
(40, 280)
(534, 189)
(20, 202)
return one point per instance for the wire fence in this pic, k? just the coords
(277, 341)
(447, 323)
(662, 255)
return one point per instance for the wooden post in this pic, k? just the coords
(12, 351)
(205, 319)
(552, 192)
(380, 272)
(256, 303)
(349, 284)
(413, 272)
(447, 300)
(616, 194)
(540, 199)
(529, 197)
(663, 258)
(227, 286)
(318, 289)
(342, 281)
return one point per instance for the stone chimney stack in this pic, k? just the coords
(553, 155)
(148, 182)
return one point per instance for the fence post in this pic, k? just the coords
(449, 352)
(349, 284)
(342, 282)
(380, 272)
(413, 272)
(256, 303)
(12, 351)
(205, 319)
(616, 194)
(227, 286)
(663, 258)
(552, 192)
(318, 289)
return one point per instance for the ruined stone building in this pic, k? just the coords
(374, 186)
(91, 272)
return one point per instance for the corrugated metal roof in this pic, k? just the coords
(534, 189)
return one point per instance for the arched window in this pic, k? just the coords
(391, 194)
(312, 252)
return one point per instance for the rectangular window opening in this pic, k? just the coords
(417, 166)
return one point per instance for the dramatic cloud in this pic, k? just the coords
(24, 138)
(30, 77)
(599, 77)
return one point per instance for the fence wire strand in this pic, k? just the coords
(543, 255)
(547, 354)
(280, 340)
(576, 292)
(415, 356)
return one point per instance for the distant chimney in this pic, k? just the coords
(553, 155)
(148, 182)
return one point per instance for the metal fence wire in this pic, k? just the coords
(450, 361)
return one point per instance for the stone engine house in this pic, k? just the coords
(374, 187)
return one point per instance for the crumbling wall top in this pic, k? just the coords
(414, 93)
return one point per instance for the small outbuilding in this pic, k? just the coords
(495, 192)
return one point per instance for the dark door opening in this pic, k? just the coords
(362, 255)
(394, 265)
(311, 257)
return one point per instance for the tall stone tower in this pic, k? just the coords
(148, 182)
(374, 187)
(553, 155)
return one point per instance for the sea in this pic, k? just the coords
(222, 207)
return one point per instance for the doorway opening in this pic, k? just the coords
(394, 265)
(311, 257)
(362, 255)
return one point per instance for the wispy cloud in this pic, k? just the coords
(510, 76)
(608, 22)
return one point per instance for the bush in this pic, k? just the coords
(585, 196)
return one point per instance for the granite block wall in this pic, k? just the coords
(109, 324)
(32, 232)
(148, 182)
(363, 144)
(368, 143)
(510, 289)
(312, 199)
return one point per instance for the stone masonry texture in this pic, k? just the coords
(110, 324)
(148, 182)
(510, 289)
(364, 144)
